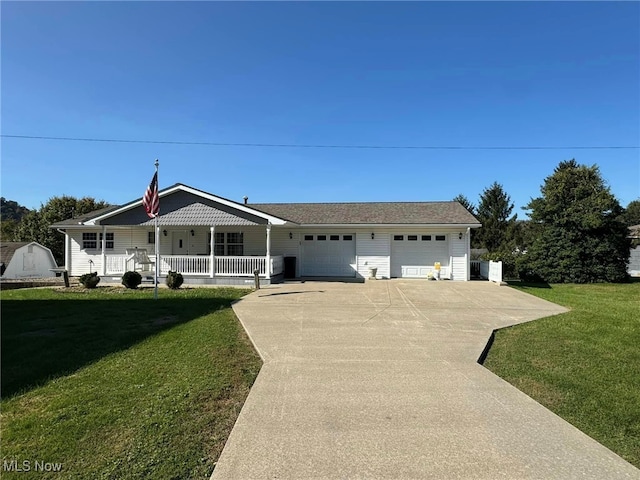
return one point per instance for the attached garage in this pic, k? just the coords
(328, 255)
(414, 255)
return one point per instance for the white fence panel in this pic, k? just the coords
(495, 271)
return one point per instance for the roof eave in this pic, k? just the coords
(394, 225)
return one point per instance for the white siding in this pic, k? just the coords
(459, 257)
(281, 244)
(122, 239)
(373, 253)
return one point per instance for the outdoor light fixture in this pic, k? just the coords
(193, 233)
(460, 236)
(373, 235)
(164, 232)
(290, 236)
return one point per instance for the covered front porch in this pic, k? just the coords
(196, 234)
(201, 266)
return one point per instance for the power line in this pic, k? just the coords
(291, 145)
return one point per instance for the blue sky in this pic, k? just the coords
(391, 74)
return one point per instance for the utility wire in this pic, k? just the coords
(291, 145)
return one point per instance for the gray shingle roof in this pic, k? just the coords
(370, 213)
(199, 214)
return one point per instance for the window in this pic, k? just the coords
(398, 237)
(308, 237)
(218, 248)
(426, 238)
(322, 237)
(229, 244)
(347, 238)
(412, 238)
(109, 242)
(440, 238)
(89, 240)
(334, 237)
(151, 237)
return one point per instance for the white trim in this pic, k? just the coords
(390, 225)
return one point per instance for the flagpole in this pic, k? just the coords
(155, 294)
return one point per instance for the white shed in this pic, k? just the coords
(26, 260)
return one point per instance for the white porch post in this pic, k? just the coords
(212, 257)
(104, 250)
(268, 259)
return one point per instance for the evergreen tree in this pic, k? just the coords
(498, 228)
(580, 237)
(466, 203)
(631, 215)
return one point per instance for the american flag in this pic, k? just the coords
(150, 201)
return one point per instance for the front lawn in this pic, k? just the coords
(110, 383)
(583, 365)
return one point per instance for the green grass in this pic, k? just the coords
(583, 365)
(112, 384)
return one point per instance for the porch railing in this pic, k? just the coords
(198, 265)
(185, 264)
(240, 266)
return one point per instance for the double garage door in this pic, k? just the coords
(413, 256)
(328, 255)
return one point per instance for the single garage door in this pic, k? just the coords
(328, 255)
(413, 256)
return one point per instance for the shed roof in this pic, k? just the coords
(7, 250)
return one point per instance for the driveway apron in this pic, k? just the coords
(380, 380)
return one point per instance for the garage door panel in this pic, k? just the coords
(332, 257)
(415, 258)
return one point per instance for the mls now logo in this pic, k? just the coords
(28, 465)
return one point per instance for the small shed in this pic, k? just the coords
(26, 260)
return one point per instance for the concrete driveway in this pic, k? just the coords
(380, 380)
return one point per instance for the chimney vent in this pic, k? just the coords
(246, 199)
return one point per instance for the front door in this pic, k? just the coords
(179, 244)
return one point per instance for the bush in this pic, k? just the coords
(89, 280)
(509, 261)
(174, 280)
(131, 279)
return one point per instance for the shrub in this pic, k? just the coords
(131, 279)
(174, 280)
(89, 280)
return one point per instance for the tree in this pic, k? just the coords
(498, 228)
(11, 210)
(631, 215)
(35, 226)
(466, 203)
(10, 215)
(580, 238)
